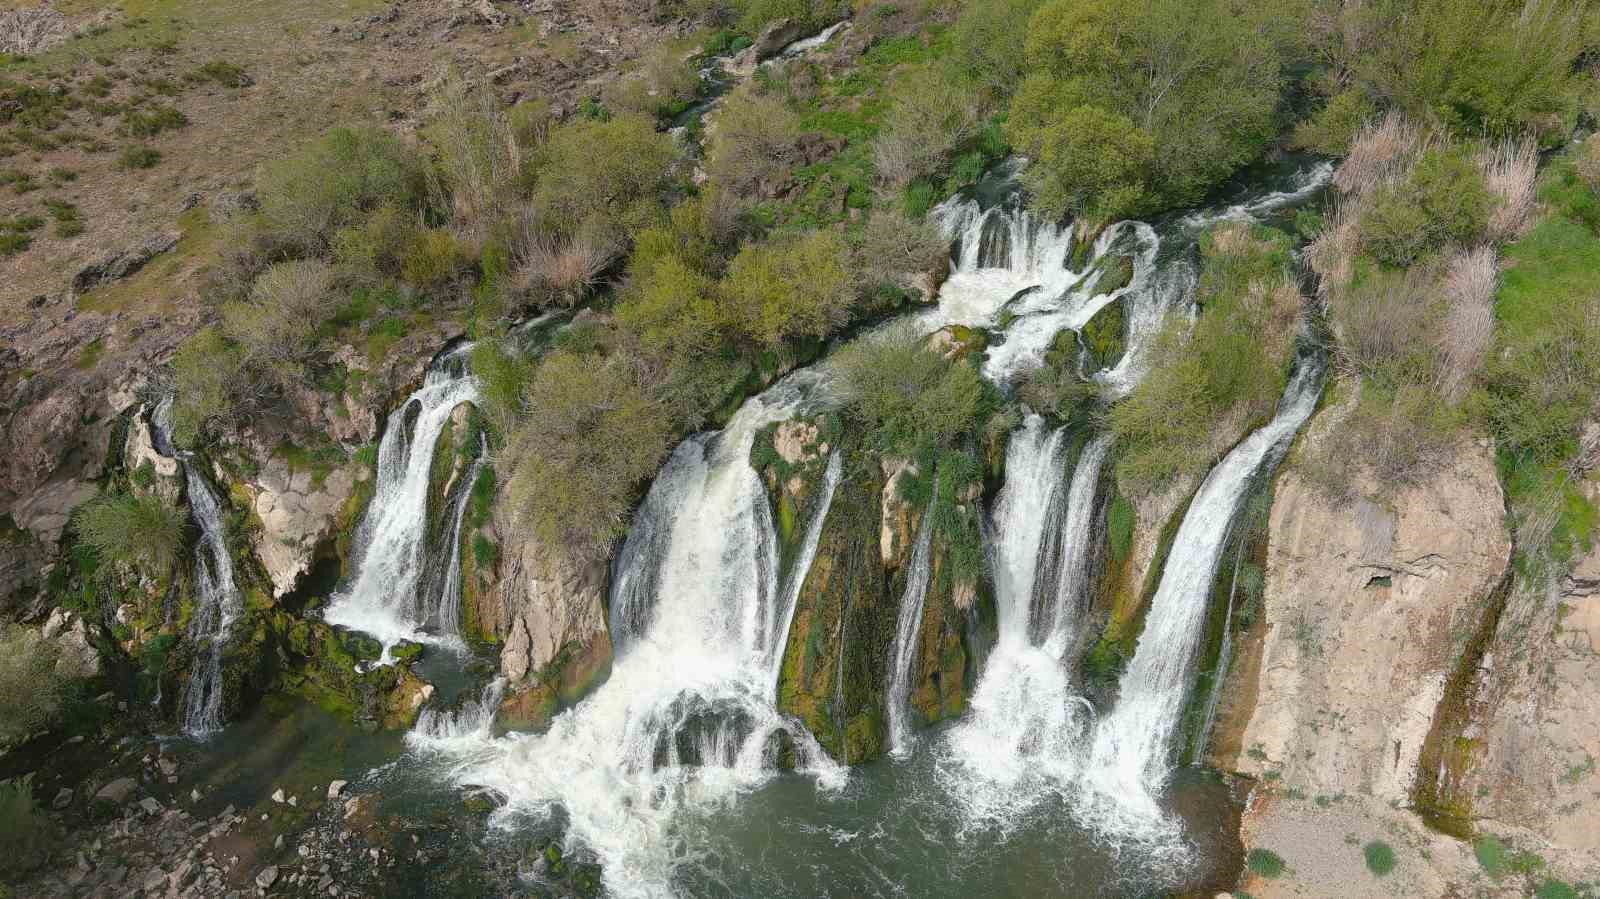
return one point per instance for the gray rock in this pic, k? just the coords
(120, 265)
(62, 800)
(267, 877)
(150, 806)
(118, 791)
(336, 788)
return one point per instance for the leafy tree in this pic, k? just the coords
(752, 140)
(908, 397)
(1200, 79)
(990, 37)
(614, 169)
(1085, 160)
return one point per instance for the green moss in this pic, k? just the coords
(1379, 857)
(1120, 522)
(1265, 863)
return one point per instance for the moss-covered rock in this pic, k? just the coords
(1103, 338)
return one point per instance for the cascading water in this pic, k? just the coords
(399, 593)
(1024, 735)
(1132, 754)
(217, 606)
(907, 630)
(217, 600)
(688, 715)
(439, 729)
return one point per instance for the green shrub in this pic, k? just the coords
(612, 169)
(26, 834)
(502, 373)
(222, 72)
(143, 531)
(1379, 857)
(1555, 889)
(673, 309)
(1120, 522)
(1492, 855)
(1089, 160)
(31, 691)
(151, 122)
(990, 39)
(139, 158)
(433, 259)
(754, 142)
(1331, 130)
(211, 384)
(1265, 863)
(754, 15)
(590, 434)
(1443, 199)
(1207, 381)
(379, 245)
(908, 398)
(789, 288)
(309, 195)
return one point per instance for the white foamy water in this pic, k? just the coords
(397, 594)
(441, 729)
(1132, 755)
(687, 719)
(1023, 738)
(908, 629)
(1301, 187)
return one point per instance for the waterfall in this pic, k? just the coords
(1024, 737)
(398, 593)
(439, 729)
(217, 600)
(1132, 754)
(907, 631)
(688, 716)
(217, 606)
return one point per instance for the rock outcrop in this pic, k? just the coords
(299, 512)
(1367, 609)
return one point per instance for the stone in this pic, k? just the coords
(896, 530)
(1365, 603)
(117, 266)
(62, 800)
(168, 766)
(336, 788)
(150, 806)
(267, 877)
(277, 796)
(117, 791)
(792, 438)
(297, 516)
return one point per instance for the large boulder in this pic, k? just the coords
(1367, 608)
(298, 512)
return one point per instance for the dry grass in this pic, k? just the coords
(566, 265)
(1379, 153)
(1510, 169)
(1586, 160)
(1332, 254)
(1469, 285)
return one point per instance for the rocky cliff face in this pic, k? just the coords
(1368, 606)
(547, 612)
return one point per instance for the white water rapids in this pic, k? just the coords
(908, 628)
(688, 717)
(392, 597)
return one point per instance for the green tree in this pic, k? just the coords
(1201, 79)
(614, 169)
(990, 37)
(1086, 160)
(307, 196)
(908, 397)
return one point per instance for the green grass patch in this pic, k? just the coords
(139, 157)
(90, 355)
(1379, 857)
(1266, 863)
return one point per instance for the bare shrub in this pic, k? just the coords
(1379, 153)
(752, 141)
(932, 115)
(30, 689)
(288, 302)
(568, 265)
(1469, 285)
(1383, 324)
(663, 79)
(1332, 254)
(893, 247)
(480, 156)
(1510, 169)
(1586, 161)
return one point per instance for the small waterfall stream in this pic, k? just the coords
(218, 603)
(1132, 754)
(400, 590)
(908, 628)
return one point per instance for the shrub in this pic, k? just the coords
(288, 303)
(1555, 889)
(673, 309)
(224, 73)
(379, 245)
(932, 115)
(434, 259)
(752, 141)
(1208, 381)
(332, 183)
(1087, 160)
(754, 15)
(1334, 128)
(1379, 857)
(907, 397)
(212, 386)
(1443, 199)
(484, 153)
(893, 246)
(1586, 163)
(611, 170)
(663, 84)
(151, 122)
(788, 288)
(566, 266)
(26, 834)
(590, 434)
(139, 158)
(502, 373)
(1265, 863)
(138, 530)
(30, 688)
